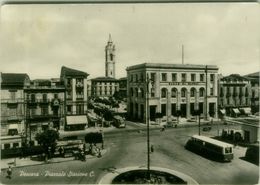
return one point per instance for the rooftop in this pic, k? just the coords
(172, 66)
(107, 79)
(234, 77)
(14, 79)
(69, 72)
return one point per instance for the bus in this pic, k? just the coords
(210, 147)
(118, 122)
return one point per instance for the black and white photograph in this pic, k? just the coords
(129, 92)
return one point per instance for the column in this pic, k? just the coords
(73, 95)
(168, 106)
(188, 104)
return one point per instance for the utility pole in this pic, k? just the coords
(147, 123)
(182, 54)
(206, 71)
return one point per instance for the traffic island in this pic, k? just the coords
(138, 175)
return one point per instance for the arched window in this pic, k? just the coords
(174, 93)
(183, 92)
(192, 92)
(202, 92)
(163, 93)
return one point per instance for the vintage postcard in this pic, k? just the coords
(129, 92)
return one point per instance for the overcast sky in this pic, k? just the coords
(39, 39)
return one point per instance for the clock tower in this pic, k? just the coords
(110, 58)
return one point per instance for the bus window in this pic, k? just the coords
(228, 150)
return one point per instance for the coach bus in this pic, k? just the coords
(210, 147)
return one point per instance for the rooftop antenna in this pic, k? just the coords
(182, 54)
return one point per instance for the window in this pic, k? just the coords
(15, 145)
(211, 91)
(201, 77)
(153, 75)
(44, 110)
(212, 77)
(142, 77)
(201, 92)
(136, 92)
(69, 80)
(44, 97)
(183, 77)
(163, 93)
(142, 92)
(163, 109)
(183, 92)
(33, 97)
(193, 77)
(131, 92)
(221, 92)
(55, 95)
(152, 92)
(131, 78)
(111, 56)
(174, 77)
(164, 77)
(79, 109)
(174, 93)
(69, 107)
(7, 146)
(192, 92)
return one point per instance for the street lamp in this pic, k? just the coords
(147, 123)
(197, 113)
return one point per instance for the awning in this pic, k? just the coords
(223, 111)
(247, 110)
(236, 111)
(77, 120)
(13, 126)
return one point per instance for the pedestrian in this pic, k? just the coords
(9, 172)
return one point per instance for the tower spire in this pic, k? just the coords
(110, 38)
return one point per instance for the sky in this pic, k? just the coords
(40, 39)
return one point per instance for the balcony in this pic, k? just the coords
(42, 116)
(79, 97)
(79, 85)
(13, 118)
(12, 102)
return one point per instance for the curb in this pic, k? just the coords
(53, 162)
(108, 178)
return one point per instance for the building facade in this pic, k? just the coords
(255, 89)
(172, 88)
(44, 106)
(75, 83)
(234, 95)
(12, 103)
(104, 86)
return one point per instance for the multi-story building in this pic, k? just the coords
(172, 88)
(255, 88)
(104, 86)
(234, 95)
(123, 87)
(44, 100)
(75, 82)
(12, 103)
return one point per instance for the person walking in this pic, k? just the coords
(9, 172)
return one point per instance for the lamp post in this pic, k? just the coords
(147, 123)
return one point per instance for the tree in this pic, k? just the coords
(48, 140)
